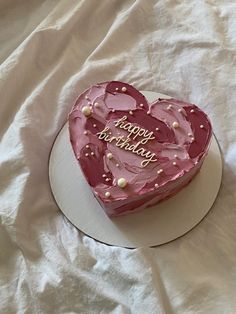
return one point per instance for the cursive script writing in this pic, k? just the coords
(124, 142)
(134, 130)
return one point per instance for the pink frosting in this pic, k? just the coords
(186, 145)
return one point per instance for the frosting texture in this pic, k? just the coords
(155, 148)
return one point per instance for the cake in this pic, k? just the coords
(133, 153)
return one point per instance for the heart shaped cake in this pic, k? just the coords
(133, 153)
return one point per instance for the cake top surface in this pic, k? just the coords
(128, 146)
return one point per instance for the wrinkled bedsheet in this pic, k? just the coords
(49, 52)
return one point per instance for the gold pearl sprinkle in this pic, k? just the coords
(175, 125)
(107, 194)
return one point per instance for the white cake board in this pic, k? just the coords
(152, 226)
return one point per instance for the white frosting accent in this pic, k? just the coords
(109, 156)
(124, 89)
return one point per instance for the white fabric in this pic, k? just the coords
(49, 52)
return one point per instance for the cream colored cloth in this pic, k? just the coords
(50, 51)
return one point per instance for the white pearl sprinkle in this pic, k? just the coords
(107, 194)
(159, 171)
(109, 156)
(117, 165)
(86, 97)
(124, 89)
(190, 134)
(156, 185)
(148, 112)
(122, 183)
(86, 154)
(85, 132)
(179, 110)
(175, 125)
(113, 110)
(92, 153)
(157, 129)
(87, 146)
(104, 175)
(192, 110)
(107, 179)
(175, 156)
(131, 112)
(201, 126)
(86, 110)
(95, 125)
(193, 139)
(141, 105)
(96, 104)
(174, 163)
(169, 107)
(117, 88)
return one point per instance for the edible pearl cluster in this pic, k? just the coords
(91, 153)
(121, 182)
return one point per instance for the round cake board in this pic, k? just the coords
(153, 226)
